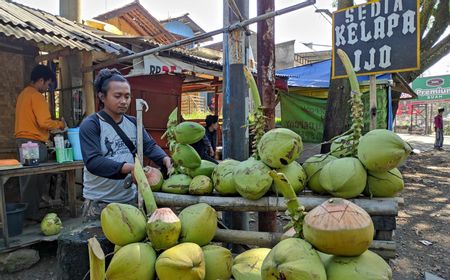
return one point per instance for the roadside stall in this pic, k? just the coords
(29, 37)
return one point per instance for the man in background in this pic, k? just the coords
(439, 129)
(33, 124)
(206, 147)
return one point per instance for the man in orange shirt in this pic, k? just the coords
(33, 123)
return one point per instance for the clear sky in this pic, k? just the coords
(304, 26)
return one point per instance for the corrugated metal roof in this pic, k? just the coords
(23, 22)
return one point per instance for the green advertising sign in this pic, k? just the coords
(432, 88)
(304, 115)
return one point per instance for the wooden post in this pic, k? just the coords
(266, 84)
(72, 192)
(373, 102)
(140, 103)
(88, 84)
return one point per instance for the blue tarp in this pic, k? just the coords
(316, 75)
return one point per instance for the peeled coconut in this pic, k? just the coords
(155, 178)
(342, 147)
(252, 179)
(201, 185)
(344, 177)
(134, 261)
(218, 262)
(279, 147)
(186, 156)
(51, 224)
(123, 224)
(381, 150)
(163, 228)
(206, 168)
(368, 266)
(313, 166)
(189, 132)
(184, 261)
(223, 179)
(247, 265)
(178, 183)
(339, 227)
(384, 184)
(198, 224)
(295, 174)
(293, 259)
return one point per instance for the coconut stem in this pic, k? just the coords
(356, 101)
(96, 260)
(295, 210)
(144, 187)
(257, 128)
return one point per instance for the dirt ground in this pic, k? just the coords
(425, 216)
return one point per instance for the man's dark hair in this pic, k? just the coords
(103, 78)
(441, 110)
(211, 119)
(42, 72)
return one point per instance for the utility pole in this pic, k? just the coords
(235, 99)
(267, 221)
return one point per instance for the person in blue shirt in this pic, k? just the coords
(107, 159)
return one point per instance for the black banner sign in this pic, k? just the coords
(379, 37)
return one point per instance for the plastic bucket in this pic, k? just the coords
(15, 213)
(73, 134)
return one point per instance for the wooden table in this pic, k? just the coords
(51, 167)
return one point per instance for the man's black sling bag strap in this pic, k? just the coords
(126, 140)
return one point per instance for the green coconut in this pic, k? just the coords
(201, 185)
(293, 259)
(381, 150)
(218, 262)
(178, 183)
(368, 266)
(384, 184)
(342, 147)
(344, 177)
(51, 224)
(279, 147)
(155, 178)
(134, 261)
(325, 258)
(123, 224)
(252, 179)
(339, 227)
(247, 265)
(223, 179)
(295, 174)
(198, 224)
(186, 156)
(182, 262)
(189, 132)
(313, 166)
(206, 168)
(163, 228)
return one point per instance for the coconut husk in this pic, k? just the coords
(339, 227)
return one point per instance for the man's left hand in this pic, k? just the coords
(167, 161)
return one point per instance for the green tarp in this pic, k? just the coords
(306, 115)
